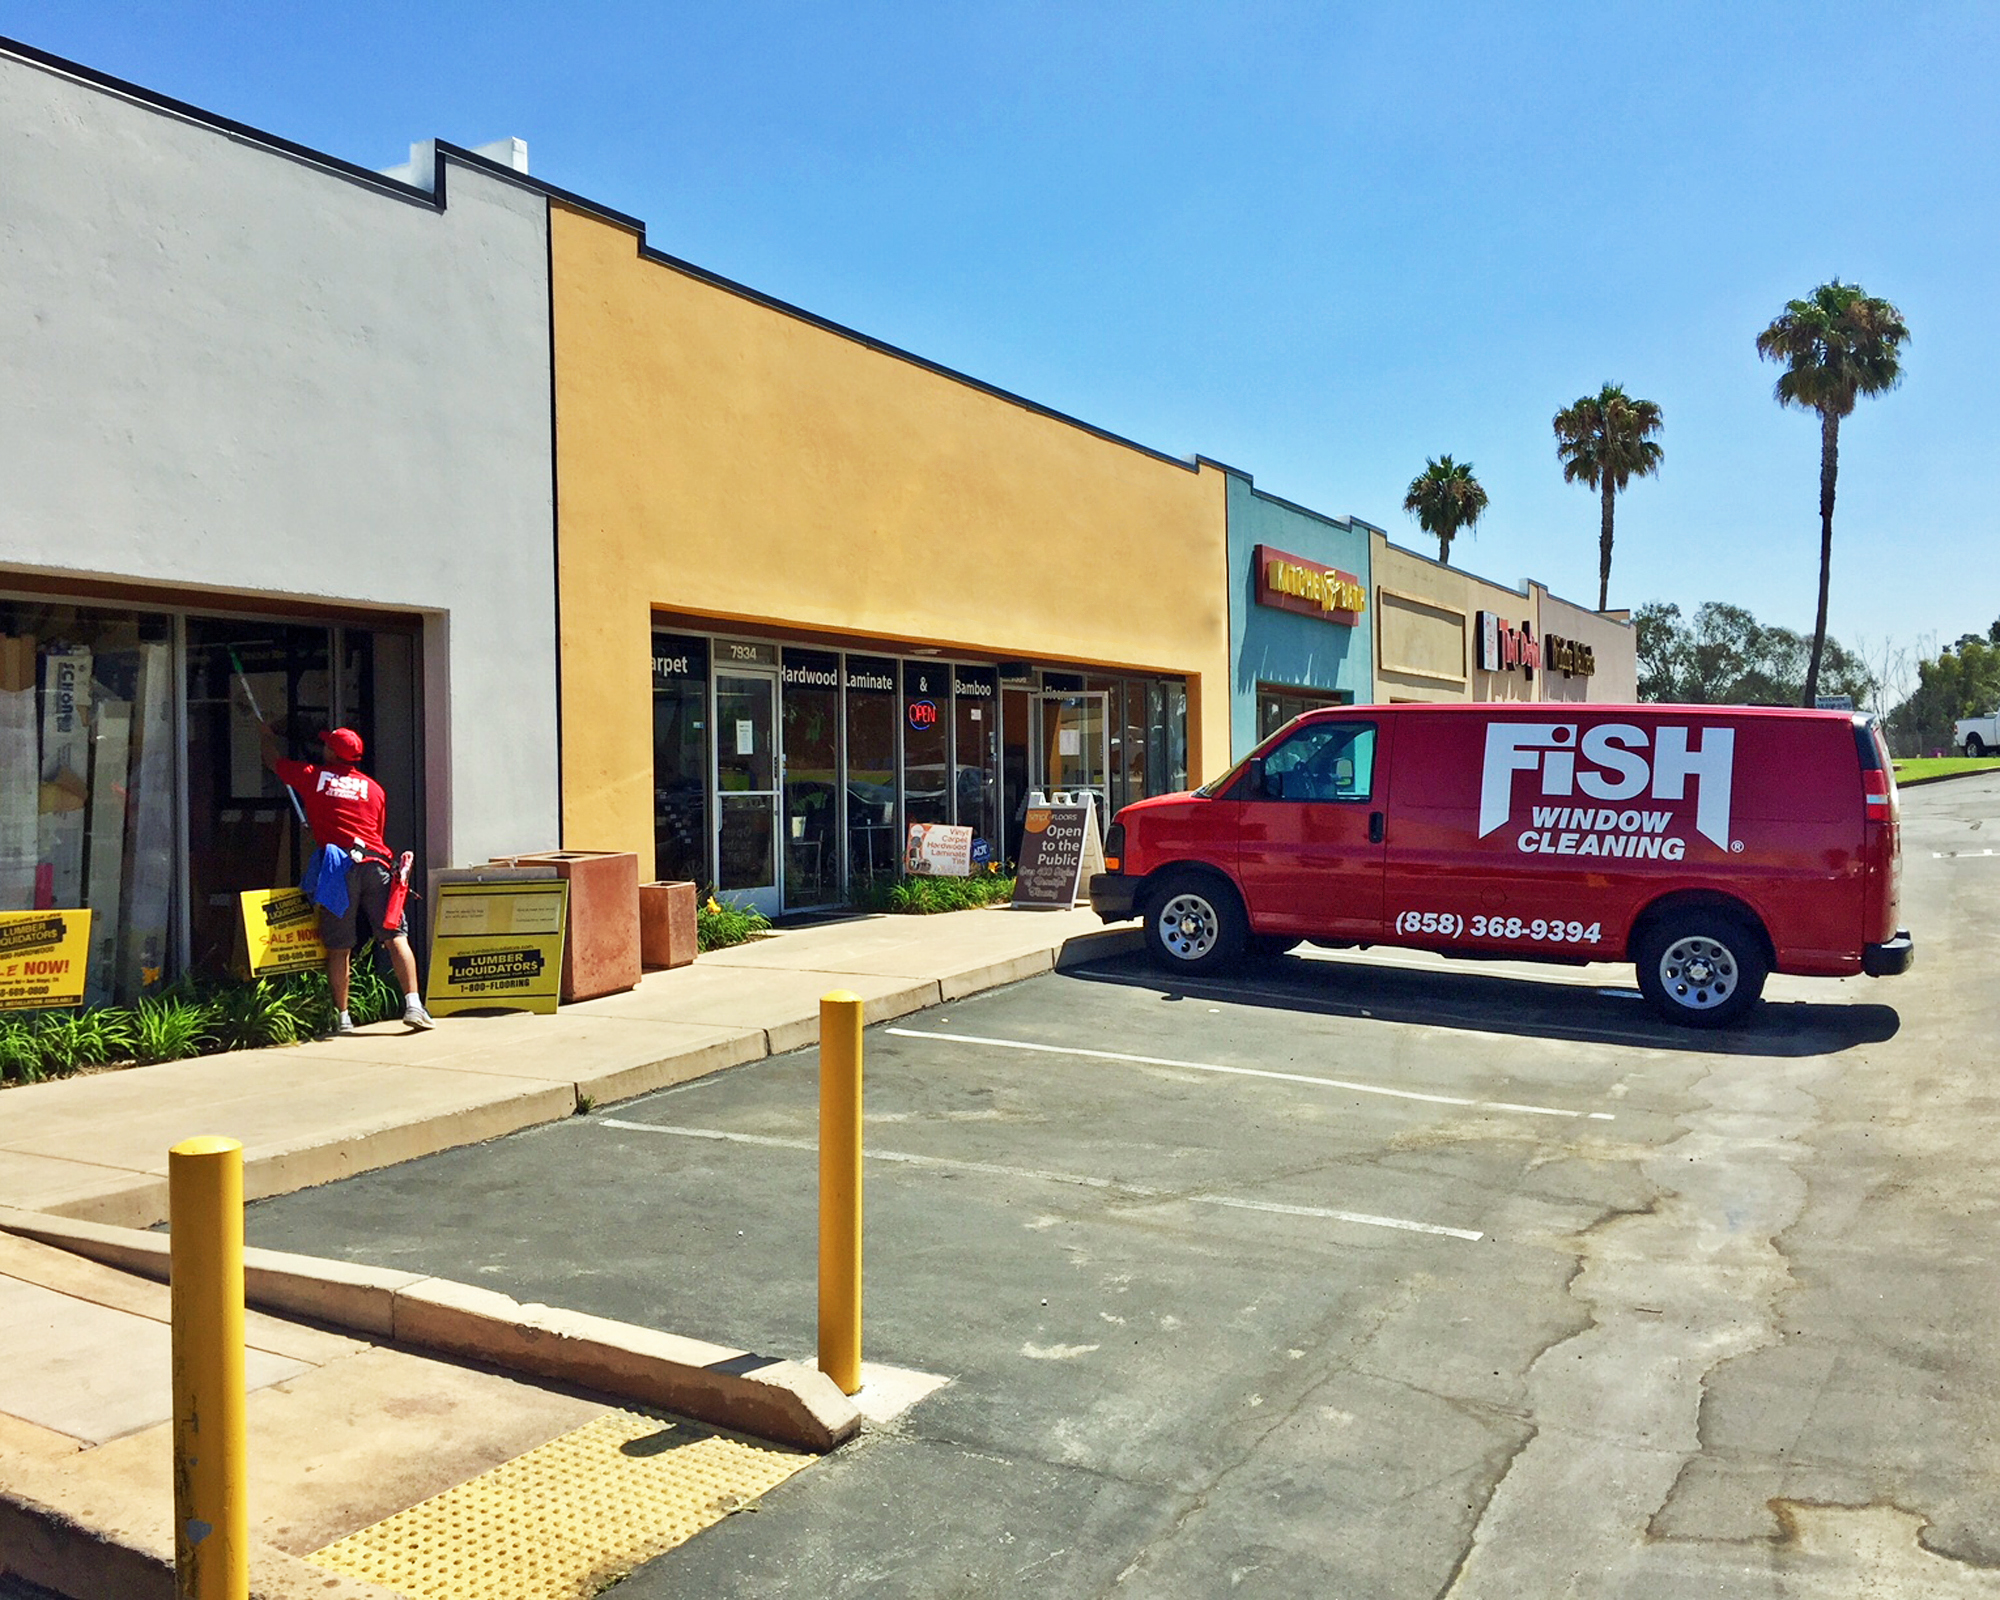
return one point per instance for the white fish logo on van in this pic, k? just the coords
(1609, 763)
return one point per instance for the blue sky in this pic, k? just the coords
(1317, 242)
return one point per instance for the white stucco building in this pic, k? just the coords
(266, 418)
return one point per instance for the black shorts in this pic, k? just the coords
(368, 896)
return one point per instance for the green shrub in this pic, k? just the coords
(84, 1038)
(170, 1027)
(921, 896)
(372, 995)
(248, 1016)
(22, 1057)
(717, 926)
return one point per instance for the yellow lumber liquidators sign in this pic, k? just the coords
(498, 945)
(43, 955)
(281, 932)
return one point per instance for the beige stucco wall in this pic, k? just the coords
(1424, 615)
(723, 458)
(1613, 642)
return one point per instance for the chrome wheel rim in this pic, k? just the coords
(1699, 973)
(1189, 927)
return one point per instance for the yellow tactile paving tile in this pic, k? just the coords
(562, 1521)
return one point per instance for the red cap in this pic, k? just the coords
(343, 744)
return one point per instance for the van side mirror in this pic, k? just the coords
(1259, 787)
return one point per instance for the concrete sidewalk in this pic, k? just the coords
(392, 1413)
(414, 1436)
(95, 1147)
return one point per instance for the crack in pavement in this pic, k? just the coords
(1616, 1408)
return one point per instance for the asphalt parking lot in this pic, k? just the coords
(1359, 1275)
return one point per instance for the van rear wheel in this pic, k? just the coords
(1701, 969)
(1195, 923)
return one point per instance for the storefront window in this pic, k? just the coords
(1277, 704)
(87, 801)
(926, 741)
(1166, 753)
(680, 758)
(1017, 740)
(872, 846)
(243, 830)
(976, 750)
(812, 778)
(1132, 753)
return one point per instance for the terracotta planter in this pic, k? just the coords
(601, 953)
(667, 932)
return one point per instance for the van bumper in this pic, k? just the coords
(1886, 960)
(1113, 896)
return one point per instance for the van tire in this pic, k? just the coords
(1701, 968)
(1975, 746)
(1195, 923)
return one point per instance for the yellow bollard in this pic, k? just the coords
(211, 1490)
(840, 1188)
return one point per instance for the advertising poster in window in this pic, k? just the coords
(43, 957)
(498, 946)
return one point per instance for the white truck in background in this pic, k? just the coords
(1978, 736)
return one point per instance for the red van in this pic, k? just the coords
(1709, 846)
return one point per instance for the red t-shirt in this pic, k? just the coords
(344, 806)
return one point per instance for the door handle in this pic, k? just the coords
(1376, 828)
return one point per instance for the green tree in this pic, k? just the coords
(1445, 498)
(1605, 440)
(1962, 681)
(1836, 346)
(1725, 656)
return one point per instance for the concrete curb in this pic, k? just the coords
(83, 1540)
(141, 1201)
(1946, 777)
(782, 1401)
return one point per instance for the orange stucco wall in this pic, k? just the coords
(722, 458)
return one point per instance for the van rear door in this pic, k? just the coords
(1309, 845)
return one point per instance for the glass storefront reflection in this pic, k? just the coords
(872, 845)
(861, 746)
(812, 778)
(926, 741)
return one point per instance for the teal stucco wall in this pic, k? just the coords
(1271, 646)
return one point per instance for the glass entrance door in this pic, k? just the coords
(746, 785)
(1075, 747)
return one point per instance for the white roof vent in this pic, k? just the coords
(420, 170)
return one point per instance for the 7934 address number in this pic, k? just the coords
(1535, 930)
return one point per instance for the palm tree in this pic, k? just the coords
(1837, 346)
(1604, 440)
(1444, 498)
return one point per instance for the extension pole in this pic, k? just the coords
(840, 1188)
(211, 1491)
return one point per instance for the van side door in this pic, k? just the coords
(1310, 840)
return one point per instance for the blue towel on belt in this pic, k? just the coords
(326, 878)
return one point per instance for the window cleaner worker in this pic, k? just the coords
(345, 810)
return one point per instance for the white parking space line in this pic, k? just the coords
(1135, 1191)
(1959, 855)
(1254, 1072)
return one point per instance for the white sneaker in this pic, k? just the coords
(342, 1024)
(415, 1016)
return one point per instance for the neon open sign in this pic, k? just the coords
(923, 714)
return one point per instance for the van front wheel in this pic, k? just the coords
(1194, 924)
(1701, 969)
